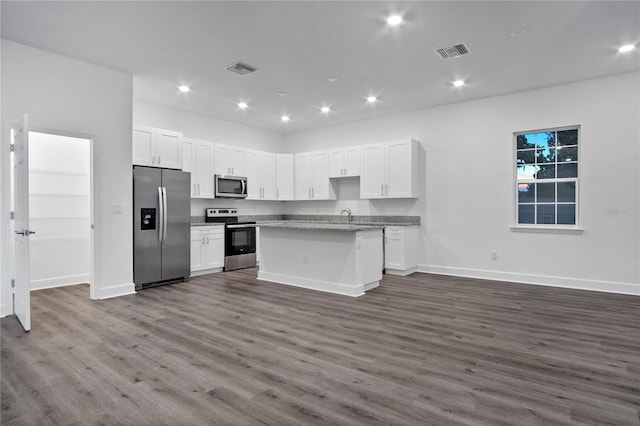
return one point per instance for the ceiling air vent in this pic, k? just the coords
(449, 52)
(241, 68)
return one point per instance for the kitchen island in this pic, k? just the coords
(337, 258)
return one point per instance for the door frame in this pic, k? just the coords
(6, 268)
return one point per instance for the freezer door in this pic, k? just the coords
(177, 243)
(147, 251)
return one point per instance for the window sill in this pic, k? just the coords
(547, 229)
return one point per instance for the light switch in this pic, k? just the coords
(116, 208)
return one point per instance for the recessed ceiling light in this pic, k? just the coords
(627, 48)
(184, 89)
(242, 105)
(332, 79)
(458, 83)
(371, 99)
(325, 109)
(517, 33)
(394, 20)
(281, 93)
(285, 118)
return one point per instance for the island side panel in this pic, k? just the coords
(369, 258)
(319, 260)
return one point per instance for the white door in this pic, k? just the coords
(336, 162)
(398, 166)
(254, 184)
(169, 149)
(236, 161)
(352, 156)
(303, 176)
(204, 170)
(320, 176)
(22, 298)
(372, 171)
(284, 176)
(144, 146)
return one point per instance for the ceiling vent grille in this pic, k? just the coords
(241, 68)
(449, 52)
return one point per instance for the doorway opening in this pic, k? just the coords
(59, 210)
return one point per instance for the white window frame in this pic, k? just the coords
(546, 227)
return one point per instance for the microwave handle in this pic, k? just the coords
(244, 186)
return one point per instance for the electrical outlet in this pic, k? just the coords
(494, 255)
(116, 208)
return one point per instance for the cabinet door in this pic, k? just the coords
(204, 170)
(221, 156)
(352, 156)
(268, 175)
(303, 176)
(254, 184)
(372, 172)
(399, 171)
(188, 162)
(169, 149)
(336, 162)
(284, 176)
(320, 185)
(236, 161)
(144, 146)
(196, 251)
(214, 250)
(394, 248)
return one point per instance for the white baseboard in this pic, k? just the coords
(326, 286)
(546, 280)
(401, 272)
(60, 281)
(116, 290)
(206, 272)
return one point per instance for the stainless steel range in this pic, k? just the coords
(240, 238)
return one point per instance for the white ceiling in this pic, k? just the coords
(299, 45)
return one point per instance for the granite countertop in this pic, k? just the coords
(206, 224)
(324, 222)
(318, 226)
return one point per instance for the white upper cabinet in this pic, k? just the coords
(390, 170)
(197, 158)
(284, 177)
(261, 175)
(157, 147)
(344, 162)
(229, 160)
(312, 176)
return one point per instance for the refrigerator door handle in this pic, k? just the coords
(164, 214)
(161, 214)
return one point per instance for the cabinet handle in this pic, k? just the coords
(309, 192)
(198, 188)
(153, 159)
(203, 240)
(207, 240)
(194, 189)
(277, 193)
(386, 189)
(313, 192)
(382, 189)
(158, 159)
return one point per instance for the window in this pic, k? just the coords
(547, 177)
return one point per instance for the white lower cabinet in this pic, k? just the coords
(401, 249)
(207, 249)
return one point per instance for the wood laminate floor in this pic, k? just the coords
(418, 350)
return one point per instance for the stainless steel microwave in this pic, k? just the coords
(230, 186)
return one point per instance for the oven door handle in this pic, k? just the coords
(240, 226)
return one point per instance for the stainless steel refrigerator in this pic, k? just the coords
(161, 226)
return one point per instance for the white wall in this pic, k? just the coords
(65, 94)
(203, 127)
(468, 198)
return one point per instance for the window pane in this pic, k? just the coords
(546, 139)
(566, 193)
(566, 214)
(527, 172)
(526, 213)
(527, 156)
(547, 155)
(526, 192)
(546, 192)
(568, 154)
(546, 214)
(526, 141)
(568, 137)
(547, 171)
(568, 170)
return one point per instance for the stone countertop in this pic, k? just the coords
(324, 222)
(206, 224)
(318, 226)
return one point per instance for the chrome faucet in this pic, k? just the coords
(348, 214)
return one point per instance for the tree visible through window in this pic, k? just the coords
(547, 177)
